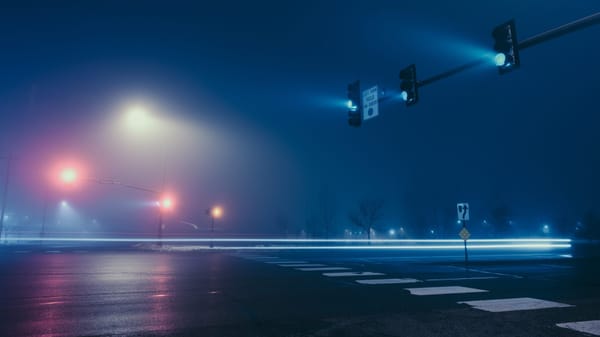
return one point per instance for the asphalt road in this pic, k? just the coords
(94, 292)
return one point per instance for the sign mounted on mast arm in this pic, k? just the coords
(370, 102)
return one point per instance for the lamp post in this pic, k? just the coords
(69, 177)
(139, 120)
(213, 212)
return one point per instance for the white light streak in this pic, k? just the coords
(270, 240)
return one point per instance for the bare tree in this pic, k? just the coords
(367, 216)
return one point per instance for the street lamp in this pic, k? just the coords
(213, 212)
(140, 120)
(68, 175)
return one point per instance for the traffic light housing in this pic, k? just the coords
(506, 46)
(408, 85)
(354, 104)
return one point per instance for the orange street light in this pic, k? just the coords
(217, 212)
(213, 212)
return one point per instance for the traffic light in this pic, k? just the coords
(506, 46)
(409, 85)
(354, 104)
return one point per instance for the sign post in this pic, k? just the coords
(462, 211)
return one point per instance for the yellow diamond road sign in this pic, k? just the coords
(464, 234)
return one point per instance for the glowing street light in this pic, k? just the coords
(137, 117)
(140, 119)
(166, 203)
(214, 212)
(68, 176)
(546, 229)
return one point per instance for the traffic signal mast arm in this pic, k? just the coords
(451, 72)
(507, 59)
(116, 182)
(532, 41)
(560, 31)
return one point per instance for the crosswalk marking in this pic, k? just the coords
(426, 291)
(590, 327)
(323, 268)
(302, 265)
(388, 281)
(461, 278)
(352, 273)
(514, 304)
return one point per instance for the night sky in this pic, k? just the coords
(250, 99)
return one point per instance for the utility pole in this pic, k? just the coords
(161, 206)
(210, 213)
(8, 158)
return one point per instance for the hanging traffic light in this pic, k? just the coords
(409, 85)
(506, 46)
(354, 104)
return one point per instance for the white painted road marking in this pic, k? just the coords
(493, 273)
(514, 304)
(388, 281)
(557, 266)
(22, 251)
(443, 290)
(53, 251)
(461, 278)
(352, 273)
(284, 261)
(303, 265)
(323, 269)
(591, 327)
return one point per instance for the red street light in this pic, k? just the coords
(166, 203)
(68, 176)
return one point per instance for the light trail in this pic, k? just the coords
(304, 244)
(412, 247)
(264, 240)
